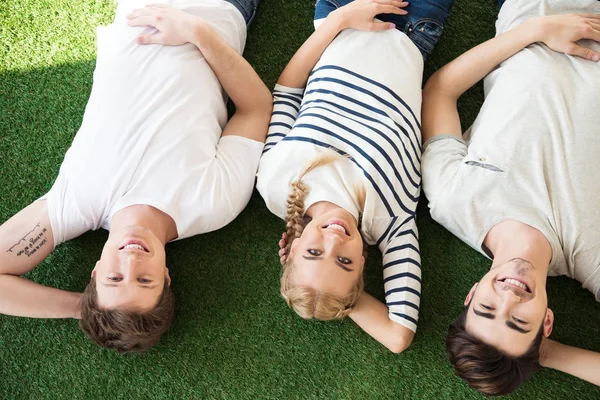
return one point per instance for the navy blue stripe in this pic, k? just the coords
(386, 231)
(287, 103)
(328, 146)
(288, 96)
(404, 246)
(406, 317)
(403, 289)
(381, 134)
(406, 232)
(400, 261)
(280, 124)
(276, 134)
(373, 96)
(283, 113)
(374, 110)
(378, 148)
(402, 275)
(403, 303)
(368, 158)
(373, 82)
(399, 226)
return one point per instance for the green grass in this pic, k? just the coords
(233, 337)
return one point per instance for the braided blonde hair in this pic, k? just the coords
(305, 301)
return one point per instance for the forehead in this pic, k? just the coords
(496, 333)
(128, 297)
(322, 275)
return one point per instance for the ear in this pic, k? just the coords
(548, 322)
(167, 276)
(94, 270)
(293, 246)
(471, 293)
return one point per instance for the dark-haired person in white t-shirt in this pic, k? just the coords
(522, 187)
(155, 160)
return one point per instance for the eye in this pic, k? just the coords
(114, 278)
(486, 307)
(314, 252)
(144, 280)
(344, 260)
(519, 320)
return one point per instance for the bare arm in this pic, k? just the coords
(25, 241)
(441, 93)
(251, 97)
(358, 15)
(584, 364)
(373, 317)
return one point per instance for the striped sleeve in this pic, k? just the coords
(402, 272)
(286, 106)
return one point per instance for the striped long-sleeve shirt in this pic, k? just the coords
(362, 100)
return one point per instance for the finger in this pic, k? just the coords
(391, 10)
(381, 26)
(284, 235)
(139, 12)
(149, 39)
(281, 252)
(392, 3)
(281, 243)
(584, 52)
(146, 20)
(592, 32)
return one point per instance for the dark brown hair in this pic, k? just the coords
(126, 331)
(484, 367)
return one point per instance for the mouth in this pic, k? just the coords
(134, 245)
(516, 283)
(338, 226)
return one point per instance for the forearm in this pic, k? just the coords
(300, 66)
(23, 298)
(459, 75)
(584, 364)
(238, 78)
(372, 316)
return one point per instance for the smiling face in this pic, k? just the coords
(508, 306)
(131, 272)
(329, 255)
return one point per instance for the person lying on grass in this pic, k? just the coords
(155, 160)
(341, 162)
(522, 187)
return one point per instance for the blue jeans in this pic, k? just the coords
(246, 7)
(423, 24)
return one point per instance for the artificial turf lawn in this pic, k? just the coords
(234, 337)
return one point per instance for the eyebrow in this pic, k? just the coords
(140, 286)
(339, 264)
(484, 315)
(513, 326)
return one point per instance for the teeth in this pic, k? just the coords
(514, 282)
(337, 228)
(134, 246)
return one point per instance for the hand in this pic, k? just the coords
(561, 32)
(360, 14)
(282, 250)
(174, 26)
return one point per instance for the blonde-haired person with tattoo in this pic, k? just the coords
(341, 162)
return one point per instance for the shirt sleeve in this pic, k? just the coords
(286, 106)
(233, 173)
(441, 159)
(402, 272)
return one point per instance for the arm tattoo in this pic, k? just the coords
(31, 242)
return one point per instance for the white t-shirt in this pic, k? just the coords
(362, 100)
(532, 153)
(151, 134)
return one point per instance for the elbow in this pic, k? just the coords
(400, 341)
(264, 102)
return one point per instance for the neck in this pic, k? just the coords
(156, 221)
(513, 239)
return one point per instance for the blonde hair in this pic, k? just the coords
(305, 301)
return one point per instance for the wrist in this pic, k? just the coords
(76, 312)
(535, 29)
(337, 20)
(201, 33)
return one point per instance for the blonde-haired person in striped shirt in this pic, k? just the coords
(341, 162)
